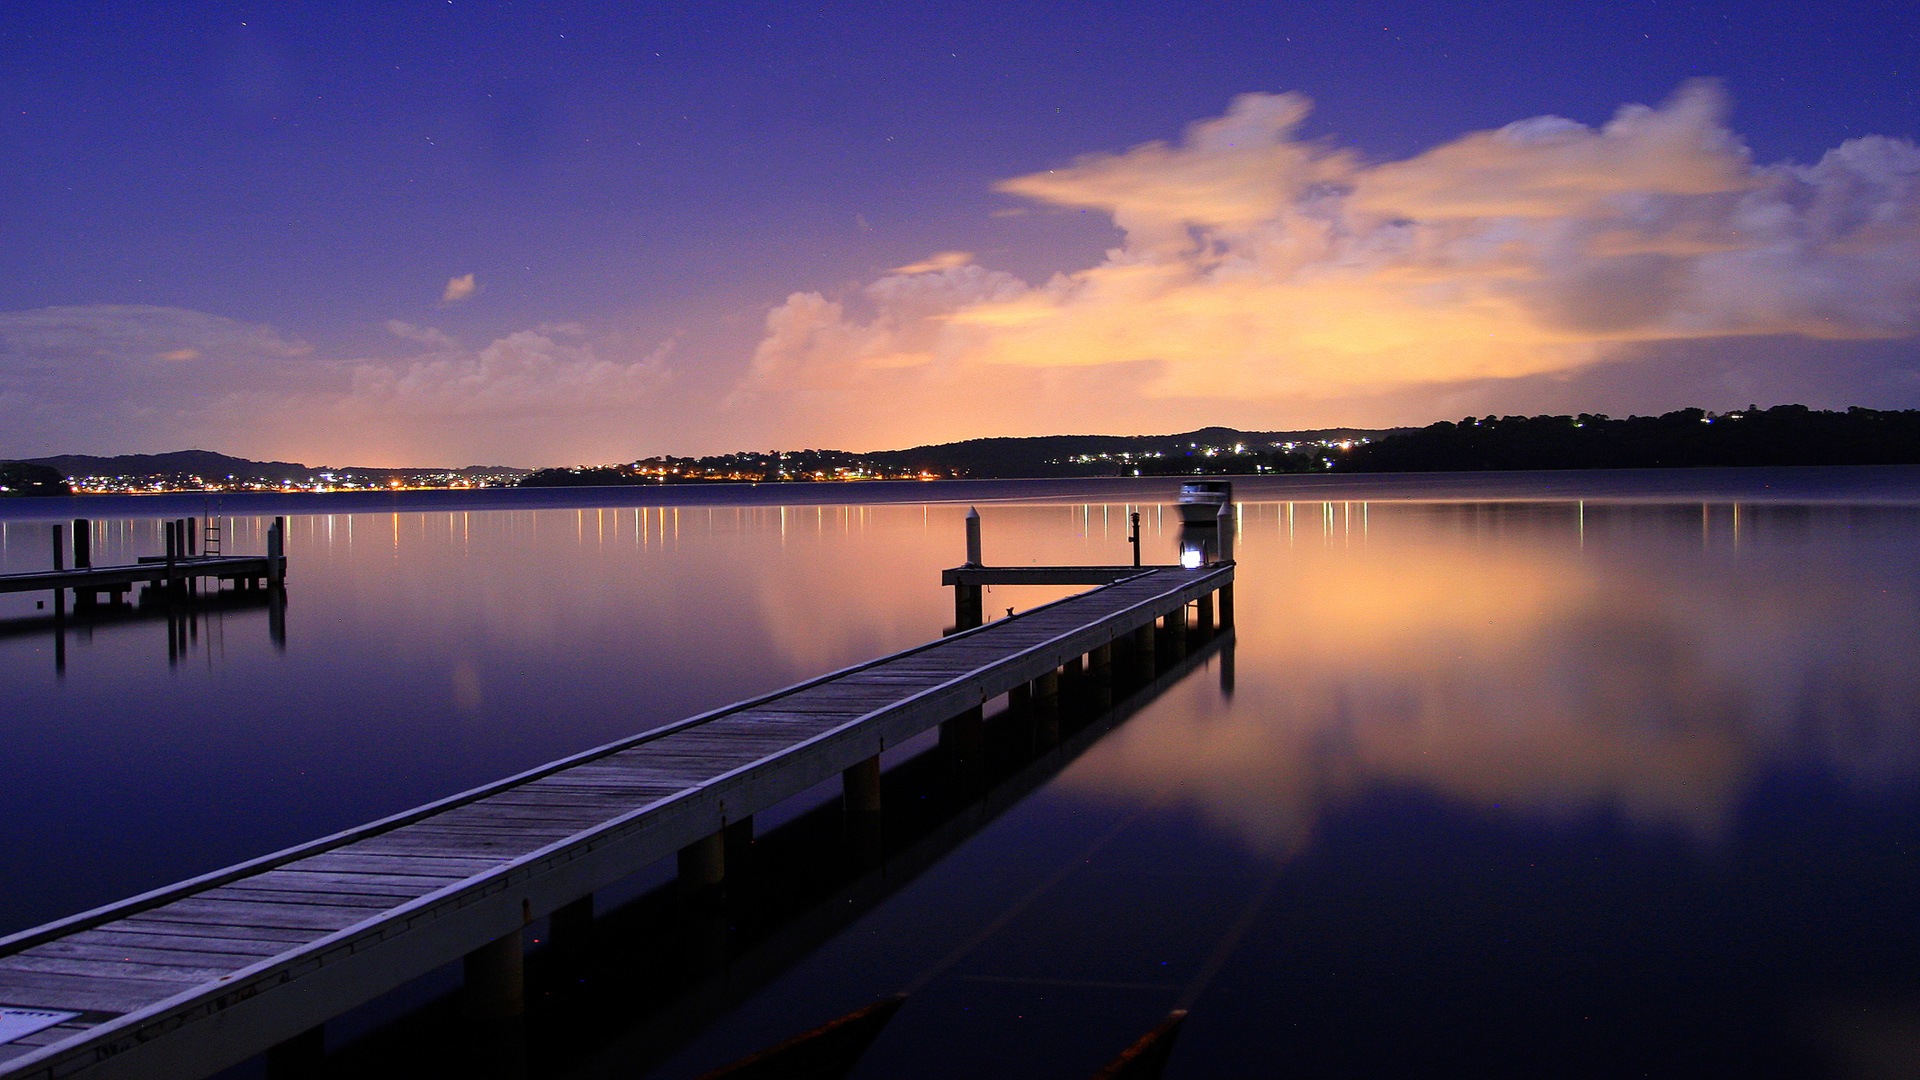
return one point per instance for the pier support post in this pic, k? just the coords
(1046, 688)
(60, 563)
(1177, 632)
(277, 552)
(83, 560)
(973, 537)
(496, 980)
(1203, 624)
(1226, 606)
(1224, 526)
(703, 863)
(860, 786)
(1145, 647)
(967, 609)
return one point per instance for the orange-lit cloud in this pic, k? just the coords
(945, 260)
(458, 289)
(1265, 274)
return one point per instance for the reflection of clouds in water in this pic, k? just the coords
(1533, 679)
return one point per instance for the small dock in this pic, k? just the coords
(183, 568)
(195, 977)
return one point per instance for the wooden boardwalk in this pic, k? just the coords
(192, 978)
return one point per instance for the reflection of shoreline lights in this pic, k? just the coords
(1191, 558)
(1526, 676)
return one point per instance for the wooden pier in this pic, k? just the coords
(183, 567)
(195, 977)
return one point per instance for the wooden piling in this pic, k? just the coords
(703, 863)
(1226, 606)
(860, 786)
(496, 980)
(277, 553)
(973, 537)
(1203, 617)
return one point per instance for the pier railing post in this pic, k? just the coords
(1135, 537)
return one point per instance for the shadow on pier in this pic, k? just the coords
(620, 994)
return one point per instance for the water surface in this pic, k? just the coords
(1510, 782)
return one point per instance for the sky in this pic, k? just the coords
(454, 232)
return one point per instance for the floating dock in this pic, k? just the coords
(195, 977)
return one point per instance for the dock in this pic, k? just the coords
(183, 568)
(198, 976)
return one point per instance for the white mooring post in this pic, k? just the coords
(973, 537)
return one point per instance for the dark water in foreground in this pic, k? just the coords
(1540, 787)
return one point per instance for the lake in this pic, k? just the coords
(1550, 775)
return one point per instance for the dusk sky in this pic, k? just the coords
(456, 232)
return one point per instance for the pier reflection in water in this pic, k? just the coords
(1499, 787)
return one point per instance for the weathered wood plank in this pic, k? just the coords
(138, 938)
(82, 950)
(49, 990)
(198, 909)
(248, 892)
(90, 968)
(351, 859)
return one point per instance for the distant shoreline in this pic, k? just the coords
(1812, 484)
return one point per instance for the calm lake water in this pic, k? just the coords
(1573, 775)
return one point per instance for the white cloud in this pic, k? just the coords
(458, 289)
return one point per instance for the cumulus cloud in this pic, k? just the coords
(533, 374)
(1262, 272)
(458, 289)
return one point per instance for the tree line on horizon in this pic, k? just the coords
(1685, 438)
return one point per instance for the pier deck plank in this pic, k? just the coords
(189, 979)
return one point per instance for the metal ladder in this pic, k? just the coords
(210, 538)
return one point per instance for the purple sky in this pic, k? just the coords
(532, 234)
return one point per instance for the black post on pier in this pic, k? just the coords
(59, 563)
(1134, 538)
(277, 553)
(967, 610)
